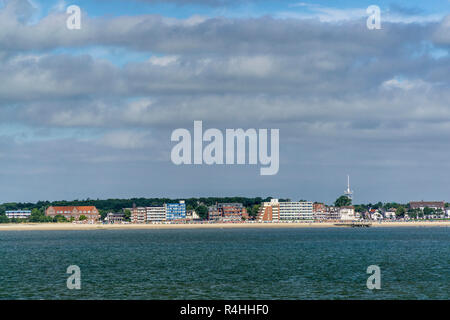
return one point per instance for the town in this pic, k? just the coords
(216, 210)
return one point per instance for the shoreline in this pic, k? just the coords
(74, 227)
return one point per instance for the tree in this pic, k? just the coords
(59, 218)
(400, 211)
(253, 211)
(428, 211)
(82, 217)
(202, 212)
(4, 219)
(360, 208)
(35, 215)
(342, 201)
(127, 215)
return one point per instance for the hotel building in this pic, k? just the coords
(90, 212)
(18, 214)
(176, 211)
(436, 205)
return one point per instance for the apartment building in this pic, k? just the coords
(90, 212)
(294, 211)
(138, 215)
(176, 211)
(156, 214)
(269, 211)
(18, 214)
(214, 214)
(227, 212)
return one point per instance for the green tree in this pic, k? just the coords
(253, 211)
(36, 215)
(127, 215)
(82, 217)
(428, 211)
(4, 218)
(343, 201)
(59, 218)
(45, 219)
(400, 211)
(202, 212)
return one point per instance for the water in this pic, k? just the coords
(328, 263)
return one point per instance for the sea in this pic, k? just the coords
(272, 263)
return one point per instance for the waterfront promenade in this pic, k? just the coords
(77, 226)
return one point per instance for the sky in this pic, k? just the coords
(89, 113)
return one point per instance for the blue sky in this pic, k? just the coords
(236, 8)
(89, 113)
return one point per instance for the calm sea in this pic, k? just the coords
(327, 263)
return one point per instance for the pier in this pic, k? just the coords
(354, 224)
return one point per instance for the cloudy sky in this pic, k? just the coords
(89, 112)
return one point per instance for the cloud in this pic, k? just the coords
(125, 140)
(342, 95)
(441, 34)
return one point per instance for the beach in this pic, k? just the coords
(75, 226)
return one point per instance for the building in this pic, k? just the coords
(18, 214)
(269, 211)
(214, 214)
(333, 213)
(391, 214)
(156, 214)
(227, 212)
(347, 213)
(232, 211)
(294, 211)
(113, 218)
(176, 211)
(319, 211)
(75, 212)
(138, 215)
(436, 205)
(285, 211)
(375, 214)
(192, 215)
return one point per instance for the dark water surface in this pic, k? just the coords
(328, 263)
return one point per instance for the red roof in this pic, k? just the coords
(71, 208)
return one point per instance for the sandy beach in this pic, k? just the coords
(72, 226)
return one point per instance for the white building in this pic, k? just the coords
(347, 213)
(192, 215)
(376, 215)
(18, 214)
(390, 214)
(156, 214)
(296, 210)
